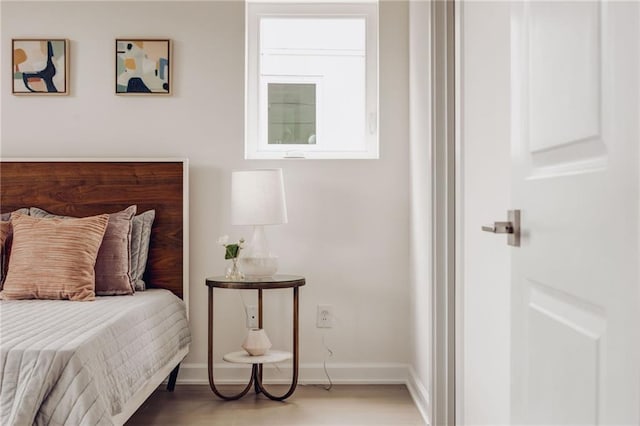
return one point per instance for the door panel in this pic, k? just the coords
(567, 372)
(574, 81)
(559, 78)
(564, 80)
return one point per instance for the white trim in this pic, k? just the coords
(444, 208)
(152, 384)
(420, 82)
(459, 219)
(185, 233)
(309, 373)
(420, 395)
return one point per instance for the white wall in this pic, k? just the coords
(348, 220)
(485, 172)
(420, 207)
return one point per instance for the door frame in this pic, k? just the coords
(444, 161)
(480, 358)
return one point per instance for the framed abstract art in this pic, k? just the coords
(40, 66)
(143, 67)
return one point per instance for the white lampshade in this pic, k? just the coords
(257, 197)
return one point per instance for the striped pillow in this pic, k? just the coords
(53, 258)
(140, 237)
(114, 274)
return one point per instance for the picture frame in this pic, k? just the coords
(143, 66)
(40, 66)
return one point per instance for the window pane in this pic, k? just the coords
(319, 34)
(292, 113)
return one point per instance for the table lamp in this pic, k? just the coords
(257, 198)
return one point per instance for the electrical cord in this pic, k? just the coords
(324, 365)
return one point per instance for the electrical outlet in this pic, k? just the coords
(252, 316)
(324, 317)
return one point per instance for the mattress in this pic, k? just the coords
(79, 363)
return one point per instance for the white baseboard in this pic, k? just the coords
(420, 395)
(311, 373)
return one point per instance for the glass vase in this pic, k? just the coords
(233, 271)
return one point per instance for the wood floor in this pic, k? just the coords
(344, 405)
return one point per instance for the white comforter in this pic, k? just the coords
(78, 363)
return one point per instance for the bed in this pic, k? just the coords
(75, 363)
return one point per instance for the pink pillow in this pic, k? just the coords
(113, 265)
(53, 258)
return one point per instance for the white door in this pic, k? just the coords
(554, 87)
(574, 140)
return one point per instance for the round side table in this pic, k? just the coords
(259, 284)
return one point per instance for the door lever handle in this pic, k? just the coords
(511, 228)
(499, 228)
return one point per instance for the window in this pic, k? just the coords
(312, 80)
(291, 106)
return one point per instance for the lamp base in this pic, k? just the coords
(259, 267)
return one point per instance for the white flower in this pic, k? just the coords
(241, 243)
(223, 240)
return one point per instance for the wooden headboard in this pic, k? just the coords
(88, 187)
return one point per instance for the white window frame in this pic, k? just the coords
(255, 125)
